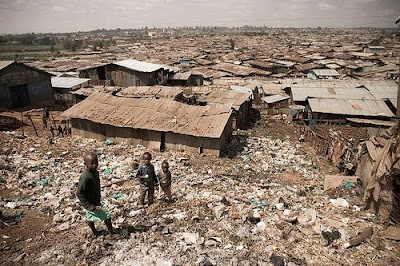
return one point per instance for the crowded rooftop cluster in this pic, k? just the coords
(271, 146)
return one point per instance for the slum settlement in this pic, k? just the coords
(283, 147)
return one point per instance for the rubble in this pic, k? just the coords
(223, 213)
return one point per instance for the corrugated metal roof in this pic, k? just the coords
(353, 107)
(67, 83)
(241, 89)
(371, 122)
(150, 91)
(325, 72)
(139, 66)
(305, 67)
(275, 98)
(300, 94)
(234, 69)
(233, 98)
(343, 84)
(385, 91)
(4, 64)
(181, 76)
(153, 114)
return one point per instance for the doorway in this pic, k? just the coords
(19, 96)
(162, 142)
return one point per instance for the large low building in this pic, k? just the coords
(128, 73)
(159, 124)
(22, 85)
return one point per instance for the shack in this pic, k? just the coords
(189, 78)
(374, 49)
(340, 109)
(159, 124)
(322, 74)
(240, 102)
(128, 73)
(276, 101)
(22, 85)
(63, 86)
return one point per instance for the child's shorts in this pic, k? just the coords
(98, 215)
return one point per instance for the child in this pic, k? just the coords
(164, 176)
(88, 193)
(147, 179)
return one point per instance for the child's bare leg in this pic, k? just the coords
(94, 231)
(109, 226)
(150, 195)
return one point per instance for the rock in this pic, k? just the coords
(308, 217)
(392, 232)
(286, 212)
(58, 218)
(219, 210)
(339, 203)
(242, 232)
(277, 260)
(330, 236)
(190, 238)
(279, 206)
(64, 226)
(210, 242)
(135, 212)
(11, 205)
(240, 247)
(357, 240)
(253, 217)
(260, 226)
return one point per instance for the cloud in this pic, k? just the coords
(325, 6)
(59, 9)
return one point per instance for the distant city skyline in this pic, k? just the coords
(42, 16)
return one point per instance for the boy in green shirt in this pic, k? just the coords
(88, 193)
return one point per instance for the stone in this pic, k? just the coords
(339, 203)
(190, 238)
(308, 217)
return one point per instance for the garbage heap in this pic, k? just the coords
(379, 171)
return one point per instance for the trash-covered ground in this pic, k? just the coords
(263, 203)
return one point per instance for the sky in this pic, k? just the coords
(22, 16)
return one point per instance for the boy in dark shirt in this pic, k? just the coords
(147, 179)
(164, 176)
(88, 193)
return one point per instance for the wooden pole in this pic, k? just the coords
(22, 121)
(398, 94)
(33, 125)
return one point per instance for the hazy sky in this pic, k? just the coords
(20, 16)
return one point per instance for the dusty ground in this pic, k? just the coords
(226, 210)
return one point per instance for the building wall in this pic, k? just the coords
(89, 73)
(150, 139)
(124, 77)
(5, 97)
(197, 80)
(280, 104)
(38, 84)
(242, 116)
(64, 95)
(192, 144)
(374, 51)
